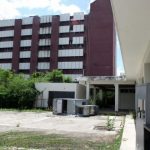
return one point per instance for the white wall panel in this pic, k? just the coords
(45, 19)
(25, 43)
(64, 41)
(65, 17)
(7, 23)
(24, 66)
(78, 16)
(70, 52)
(64, 29)
(46, 30)
(6, 44)
(43, 65)
(5, 66)
(25, 54)
(78, 40)
(70, 65)
(43, 54)
(26, 32)
(9, 33)
(78, 28)
(44, 42)
(5, 55)
(28, 20)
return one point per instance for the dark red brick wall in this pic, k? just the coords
(54, 43)
(16, 45)
(100, 40)
(34, 45)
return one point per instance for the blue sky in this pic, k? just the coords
(23, 8)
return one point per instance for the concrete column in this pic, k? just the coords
(147, 73)
(94, 94)
(87, 90)
(101, 94)
(116, 97)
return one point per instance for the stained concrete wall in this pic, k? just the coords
(44, 88)
(71, 107)
(80, 91)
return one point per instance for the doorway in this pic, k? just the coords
(59, 94)
(64, 106)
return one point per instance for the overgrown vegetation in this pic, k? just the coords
(110, 123)
(103, 100)
(54, 76)
(40, 141)
(16, 91)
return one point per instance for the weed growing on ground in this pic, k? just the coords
(110, 123)
(18, 125)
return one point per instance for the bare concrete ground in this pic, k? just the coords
(48, 123)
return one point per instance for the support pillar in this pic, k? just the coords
(94, 94)
(147, 73)
(101, 94)
(87, 90)
(116, 97)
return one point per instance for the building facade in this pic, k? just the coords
(79, 44)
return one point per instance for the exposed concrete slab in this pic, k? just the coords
(129, 134)
(53, 124)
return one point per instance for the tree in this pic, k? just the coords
(16, 91)
(55, 76)
(22, 92)
(5, 76)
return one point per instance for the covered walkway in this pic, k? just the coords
(119, 85)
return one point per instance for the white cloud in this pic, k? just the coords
(7, 10)
(58, 6)
(91, 1)
(12, 8)
(30, 4)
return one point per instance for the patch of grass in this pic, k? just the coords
(117, 142)
(54, 141)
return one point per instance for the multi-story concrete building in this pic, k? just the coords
(79, 44)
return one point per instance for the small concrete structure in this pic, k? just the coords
(67, 106)
(124, 90)
(49, 91)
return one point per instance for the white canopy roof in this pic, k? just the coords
(132, 19)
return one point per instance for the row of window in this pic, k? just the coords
(45, 65)
(74, 40)
(45, 42)
(44, 53)
(127, 90)
(70, 65)
(43, 31)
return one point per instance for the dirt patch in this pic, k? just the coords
(92, 128)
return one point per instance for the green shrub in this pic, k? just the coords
(110, 123)
(16, 91)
